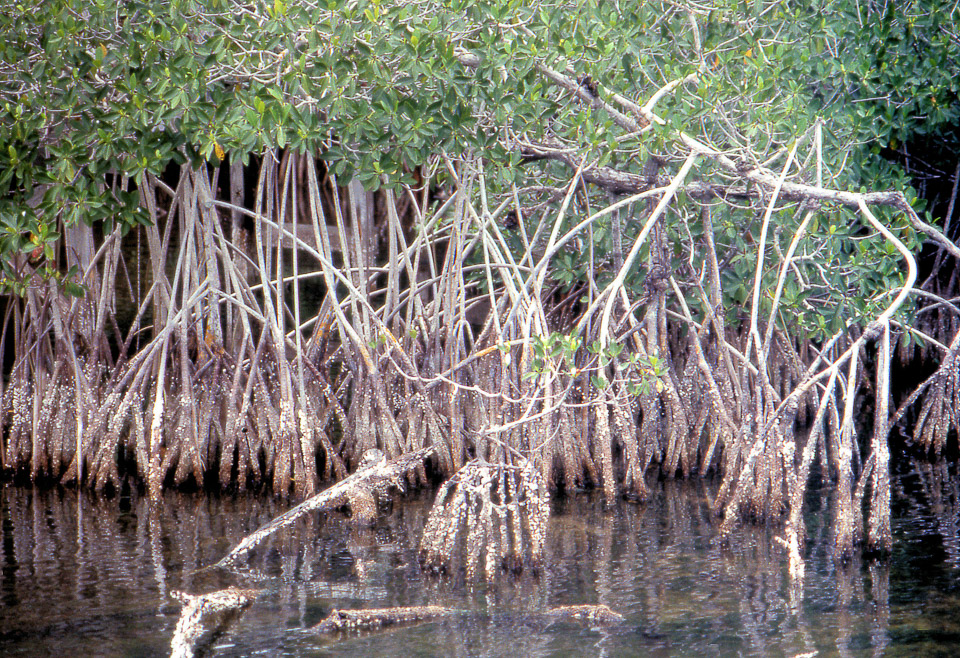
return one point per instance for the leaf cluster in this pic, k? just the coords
(92, 93)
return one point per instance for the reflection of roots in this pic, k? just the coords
(500, 513)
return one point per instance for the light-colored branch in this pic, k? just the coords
(205, 617)
(375, 475)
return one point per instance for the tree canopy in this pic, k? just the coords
(91, 88)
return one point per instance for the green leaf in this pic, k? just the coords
(599, 382)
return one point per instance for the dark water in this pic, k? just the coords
(81, 576)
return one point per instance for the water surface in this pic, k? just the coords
(81, 575)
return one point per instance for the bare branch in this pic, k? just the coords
(374, 476)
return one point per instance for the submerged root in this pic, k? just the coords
(341, 621)
(603, 439)
(634, 485)
(374, 618)
(596, 614)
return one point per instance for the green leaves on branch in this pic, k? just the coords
(556, 351)
(94, 93)
(557, 354)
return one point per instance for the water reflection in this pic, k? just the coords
(89, 576)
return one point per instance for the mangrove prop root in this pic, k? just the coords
(208, 379)
(205, 617)
(373, 478)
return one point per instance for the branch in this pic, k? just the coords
(374, 476)
(619, 182)
(624, 183)
(613, 180)
(588, 91)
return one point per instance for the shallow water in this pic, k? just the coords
(86, 576)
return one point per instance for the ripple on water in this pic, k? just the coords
(87, 576)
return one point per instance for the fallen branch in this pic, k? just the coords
(359, 492)
(205, 617)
